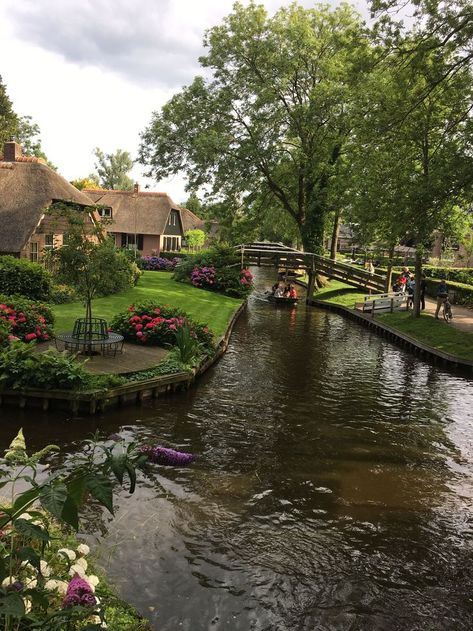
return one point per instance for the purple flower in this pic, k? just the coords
(17, 586)
(79, 592)
(166, 456)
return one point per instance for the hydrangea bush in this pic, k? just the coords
(159, 264)
(28, 320)
(154, 324)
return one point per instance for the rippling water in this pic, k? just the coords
(333, 486)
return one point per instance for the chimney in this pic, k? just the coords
(11, 151)
(136, 188)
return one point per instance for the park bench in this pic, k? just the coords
(380, 303)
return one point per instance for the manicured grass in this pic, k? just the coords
(206, 307)
(340, 294)
(435, 333)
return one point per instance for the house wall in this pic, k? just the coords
(151, 243)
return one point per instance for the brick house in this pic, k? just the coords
(142, 220)
(27, 188)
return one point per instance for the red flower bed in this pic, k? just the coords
(27, 320)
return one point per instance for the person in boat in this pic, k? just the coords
(287, 290)
(274, 287)
(292, 292)
(279, 292)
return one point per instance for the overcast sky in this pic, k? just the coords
(91, 72)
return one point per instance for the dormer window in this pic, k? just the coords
(105, 213)
(172, 219)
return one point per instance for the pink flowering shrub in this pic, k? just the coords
(204, 277)
(28, 320)
(154, 324)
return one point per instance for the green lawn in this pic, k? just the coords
(340, 293)
(210, 308)
(435, 333)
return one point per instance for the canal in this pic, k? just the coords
(332, 489)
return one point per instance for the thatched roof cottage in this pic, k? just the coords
(27, 188)
(150, 222)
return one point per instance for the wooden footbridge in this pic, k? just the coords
(264, 254)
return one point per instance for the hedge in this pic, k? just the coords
(462, 294)
(19, 276)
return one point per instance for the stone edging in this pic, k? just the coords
(95, 401)
(403, 340)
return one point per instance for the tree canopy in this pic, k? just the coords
(274, 113)
(112, 170)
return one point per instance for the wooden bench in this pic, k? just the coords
(382, 302)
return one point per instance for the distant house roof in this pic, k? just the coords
(142, 211)
(27, 188)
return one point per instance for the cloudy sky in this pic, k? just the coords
(91, 72)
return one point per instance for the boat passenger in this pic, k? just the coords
(292, 292)
(279, 293)
(274, 287)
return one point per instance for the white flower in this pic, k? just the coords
(25, 516)
(93, 580)
(70, 554)
(31, 583)
(8, 581)
(45, 569)
(27, 603)
(83, 548)
(51, 585)
(77, 569)
(82, 562)
(96, 620)
(62, 587)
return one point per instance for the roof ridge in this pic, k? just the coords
(120, 192)
(23, 159)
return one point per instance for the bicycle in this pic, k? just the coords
(447, 310)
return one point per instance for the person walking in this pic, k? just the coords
(423, 287)
(442, 295)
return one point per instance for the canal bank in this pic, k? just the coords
(331, 490)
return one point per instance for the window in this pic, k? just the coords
(34, 252)
(172, 220)
(105, 212)
(48, 241)
(132, 241)
(171, 244)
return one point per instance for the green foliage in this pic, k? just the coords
(195, 239)
(463, 294)
(112, 170)
(171, 365)
(273, 114)
(20, 276)
(85, 182)
(462, 275)
(21, 367)
(34, 569)
(29, 320)
(62, 294)
(187, 345)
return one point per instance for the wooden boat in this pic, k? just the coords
(282, 301)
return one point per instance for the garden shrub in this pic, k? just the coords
(159, 264)
(154, 324)
(216, 269)
(462, 275)
(30, 321)
(21, 367)
(19, 276)
(62, 294)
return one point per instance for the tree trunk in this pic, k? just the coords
(335, 232)
(312, 228)
(418, 278)
(389, 272)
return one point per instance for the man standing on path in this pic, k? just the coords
(442, 295)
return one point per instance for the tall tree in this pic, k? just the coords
(274, 113)
(9, 121)
(112, 170)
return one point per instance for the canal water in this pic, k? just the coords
(332, 490)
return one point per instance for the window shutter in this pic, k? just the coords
(140, 242)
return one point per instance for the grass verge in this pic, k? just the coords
(207, 307)
(426, 329)
(435, 333)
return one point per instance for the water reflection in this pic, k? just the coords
(332, 488)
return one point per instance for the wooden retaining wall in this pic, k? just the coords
(92, 402)
(401, 339)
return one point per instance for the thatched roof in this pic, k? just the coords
(27, 188)
(141, 212)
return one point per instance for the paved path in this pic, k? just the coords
(133, 358)
(462, 316)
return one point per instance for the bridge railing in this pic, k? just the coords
(283, 256)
